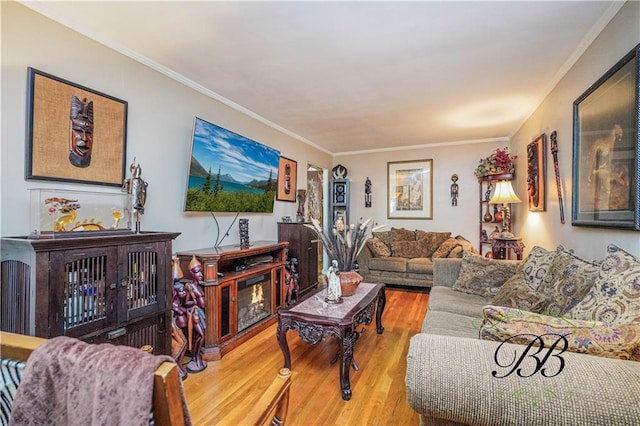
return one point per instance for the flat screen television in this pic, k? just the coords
(229, 172)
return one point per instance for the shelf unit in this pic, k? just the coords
(486, 186)
(114, 288)
(339, 200)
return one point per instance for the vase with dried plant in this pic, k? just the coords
(343, 244)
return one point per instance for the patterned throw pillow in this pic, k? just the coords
(378, 248)
(516, 293)
(384, 236)
(568, 281)
(401, 234)
(433, 240)
(408, 249)
(445, 248)
(615, 297)
(536, 266)
(589, 337)
(482, 276)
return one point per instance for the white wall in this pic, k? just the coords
(448, 159)
(556, 113)
(160, 120)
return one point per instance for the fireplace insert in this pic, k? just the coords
(254, 300)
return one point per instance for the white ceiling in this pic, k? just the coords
(353, 76)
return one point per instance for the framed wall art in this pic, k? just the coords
(410, 189)
(537, 174)
(287, 180)
(606, 149)
(74, 134)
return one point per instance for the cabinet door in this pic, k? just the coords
(309, 268)
(144, 276)
(83, 287)
(228, 307)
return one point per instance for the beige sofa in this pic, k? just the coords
(405, 257)
(455, 378)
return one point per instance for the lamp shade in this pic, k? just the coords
(504, 193)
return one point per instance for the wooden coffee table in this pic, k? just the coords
(315, 319)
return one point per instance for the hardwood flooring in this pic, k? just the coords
(222, 393)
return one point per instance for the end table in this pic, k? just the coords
(501, 247)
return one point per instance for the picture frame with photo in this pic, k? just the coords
(410, 189)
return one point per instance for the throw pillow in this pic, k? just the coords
(568, 281)
(445, 248)
(378, 248)
(615, 297)
(466, 244)
(482, 276)
(456, 252)
(384, 236)
(401, 234)
(536, 266)
(516, 293)
(408, 249)
(589, 337)
(433, 240)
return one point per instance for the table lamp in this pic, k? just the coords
(505, 195)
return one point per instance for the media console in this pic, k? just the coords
(243, 290)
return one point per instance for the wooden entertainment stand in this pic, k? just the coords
(227, 271)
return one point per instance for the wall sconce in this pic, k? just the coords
(505, 195)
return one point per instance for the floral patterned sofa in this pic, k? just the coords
(553, 339)
(405, 257)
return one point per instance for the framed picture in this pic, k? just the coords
(287, 180)
(537, 174)
(606, 149)
(75, 134)
(410, 188)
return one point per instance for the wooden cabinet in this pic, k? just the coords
(339, 200)
(488, 212)
(303, 245)
(243, 289)
(108, 288)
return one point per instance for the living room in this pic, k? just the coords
(159, 128)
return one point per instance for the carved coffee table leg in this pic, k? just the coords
(346, 349)
(284, 346)
(382, 300)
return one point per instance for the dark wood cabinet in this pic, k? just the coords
(108, 288)
(303, 245)
(339, 200)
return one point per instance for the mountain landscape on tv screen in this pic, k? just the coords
(229, 172)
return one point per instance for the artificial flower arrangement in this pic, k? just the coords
(497, 163)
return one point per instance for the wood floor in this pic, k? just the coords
(224, 391)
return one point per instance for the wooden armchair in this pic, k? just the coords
(167, 403)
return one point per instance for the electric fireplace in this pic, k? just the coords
(254, 300)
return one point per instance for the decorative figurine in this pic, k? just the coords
(137, 187)
(188, 306)
(367, 192)
(339, 172)
(179, 344)
(243, 224)
(334, 291)
(454, 190)
(81, 137)
(291, 279)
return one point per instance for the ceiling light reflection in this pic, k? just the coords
(491, 112)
